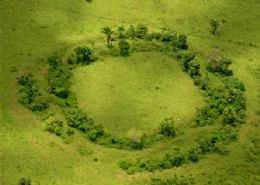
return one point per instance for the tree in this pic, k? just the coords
(124, 48)
(108, 32)
(214, 26)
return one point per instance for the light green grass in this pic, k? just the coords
(32, 29)
(136, 92)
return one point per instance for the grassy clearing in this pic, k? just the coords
(32, 30)
(136, 93)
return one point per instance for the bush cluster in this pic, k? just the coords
(227, 101)
(174, 180)
(216, 142)
(29, 94)
(169, 161)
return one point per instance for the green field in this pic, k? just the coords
(32, 30)
(136, 93)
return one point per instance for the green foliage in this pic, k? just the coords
(217, 141)
(185, 57)
(220, 66)
(227, 100)
(54, 61)
(157, 36)
(58, 80)
(169, 161)
(214, 26)
(167, 128)
(131, 32)
(84, 55)
(108, 32)
(54, 126)
(29, 94)
(70, 132)
(193, 155)
(194, 68)
(24, 181)
(181, 42)
(121, 31)
(175, 180)
(141, 31)
(78, 119)
(123, 48)
(166, 37)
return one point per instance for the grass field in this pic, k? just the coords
(31, 30)
(136, 93)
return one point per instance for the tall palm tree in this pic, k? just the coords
(108, 32)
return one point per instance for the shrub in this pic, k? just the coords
(124, 48)
(78, 119)
(141, 31)
(54, 126)
(216, 142)
(214, 26)
(167, 128)
(131, 32)
(220, 67)
(175, 180)
(194, 68)
(169, 161)
(95, 133)
(84, 55)
(70, 132)
(193, 155)
(168, 37)
(121, 31)
(185, 57)
(156, 35)
(29, 94)
(54, 61)
(174, 159)
(58, 80)
(108, 32)
(24, 181)
(181, 42)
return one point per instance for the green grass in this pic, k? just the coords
(136, 93)
(33, 29)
